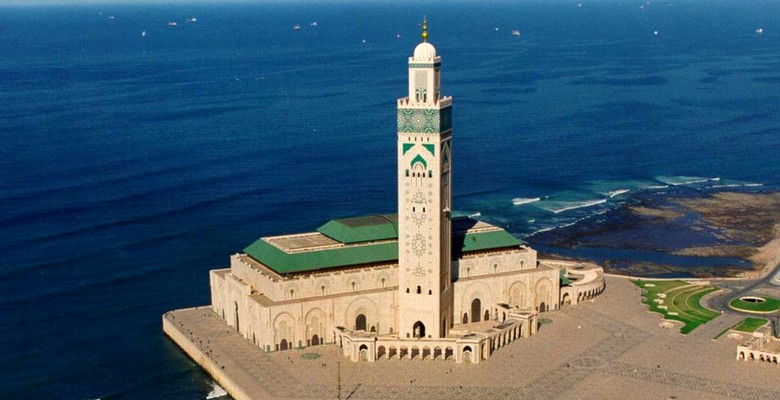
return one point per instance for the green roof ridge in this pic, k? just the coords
(361, 229)
(383, 249)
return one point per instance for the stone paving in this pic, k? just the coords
(608, 348)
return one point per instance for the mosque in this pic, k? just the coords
(419, 284)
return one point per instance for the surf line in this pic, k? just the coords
(520, 201)
(575, 206)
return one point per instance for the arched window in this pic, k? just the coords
(476, 310)
(292, 293)
(419, 329)
(430, 174)
(354, 286)
(419, 289)
(407, 172)
(322, 290)
(360, 322)
(238, 328)
(382, 281)
(430, 291)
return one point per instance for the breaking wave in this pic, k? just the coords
(520, 200)
(685, 180)
(736, 184)
(618, 192)
(216, 392)
(561, 206)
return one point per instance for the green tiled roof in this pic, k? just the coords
(370, 253)
(285, 263)
(482, 241)
(361, 229)
(565, 281)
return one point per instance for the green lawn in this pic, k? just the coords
(683, 302)
(771, 304)
(749, 325)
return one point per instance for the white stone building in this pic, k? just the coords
(419, 284)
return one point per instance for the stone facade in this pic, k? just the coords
(419, 285)
(761, 347)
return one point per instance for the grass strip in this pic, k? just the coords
(749, 325)
(682, 302)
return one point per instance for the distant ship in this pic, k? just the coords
(172, 23)
(760, 30)
(313, 23)
(192, 20)
(143, 33)
(297, 27)
(515, 32)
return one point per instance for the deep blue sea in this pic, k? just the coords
(130, 165)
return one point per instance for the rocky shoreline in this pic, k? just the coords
(681, 233)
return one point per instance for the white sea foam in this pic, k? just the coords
(216, 392)
(731, 185)
(553, 228)
(618, 192)
(476, 214)
(573, 205)
(657, 187)
(520, 200)
(736, 185)
(684, 180)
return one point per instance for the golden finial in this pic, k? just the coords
(425, 30)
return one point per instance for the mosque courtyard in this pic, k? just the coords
(612, 347)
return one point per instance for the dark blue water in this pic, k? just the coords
(130, 165)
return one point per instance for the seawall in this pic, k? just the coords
(186, 342)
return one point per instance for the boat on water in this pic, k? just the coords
(172, 23)
(143, 33)
(314, 23)
(297, 27)
(192, 20)
(760, 30)
(515, 32)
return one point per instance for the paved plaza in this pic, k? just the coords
(609, 348)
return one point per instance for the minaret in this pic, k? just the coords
(424, 199)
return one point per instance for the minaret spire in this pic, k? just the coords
(424, 30)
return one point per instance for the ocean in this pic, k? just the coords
(136, 155)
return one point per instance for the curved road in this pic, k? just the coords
(736, 288)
